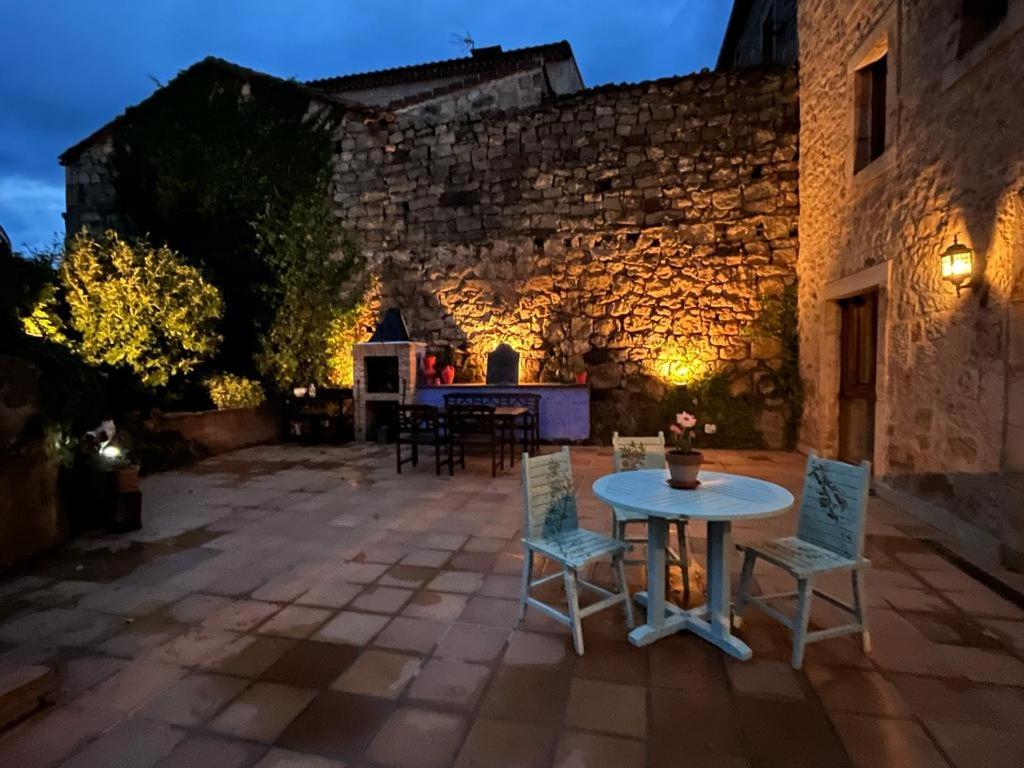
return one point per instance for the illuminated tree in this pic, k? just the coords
(138, 307)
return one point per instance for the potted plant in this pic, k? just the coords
(684, 462)
(579, 372)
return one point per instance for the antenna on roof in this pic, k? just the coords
(463, 40)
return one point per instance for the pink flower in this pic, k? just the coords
(686, 420)
(676, 429)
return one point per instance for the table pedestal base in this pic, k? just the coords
(709, 621)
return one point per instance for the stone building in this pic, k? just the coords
(633, 229)
(912, 138)
(760, 33)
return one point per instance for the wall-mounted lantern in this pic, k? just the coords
(958, 265)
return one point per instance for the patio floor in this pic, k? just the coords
(290, 606)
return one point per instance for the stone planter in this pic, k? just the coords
(683, 468)
(126, 478)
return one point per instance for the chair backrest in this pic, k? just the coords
(470, 419)
(549, 500)
(833, 510)
(499, 399)
(416, 418)
(638, 452)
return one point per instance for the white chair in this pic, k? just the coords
(829, 537)
(551, 528)
(647, 453)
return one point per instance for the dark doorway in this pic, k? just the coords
(857, 391)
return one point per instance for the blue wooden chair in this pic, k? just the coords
(551, 529)
(829, 537)
(632, 453)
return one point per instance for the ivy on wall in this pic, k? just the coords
(232, 169)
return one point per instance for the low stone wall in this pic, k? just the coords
(634, 227)
(222, 431)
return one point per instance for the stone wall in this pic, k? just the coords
(631, 227)
(950, 426)
(89, 187)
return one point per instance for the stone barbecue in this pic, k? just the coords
(385, 375)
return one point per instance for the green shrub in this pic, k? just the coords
(230, 391)
(709, 399)
(130, 306)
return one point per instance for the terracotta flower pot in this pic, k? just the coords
(126, 478)
(447, 374)
(683, 468)
(581, 377)
(429, 363)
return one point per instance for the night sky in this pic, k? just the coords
(69, 66)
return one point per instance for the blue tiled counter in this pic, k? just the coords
(564, 408)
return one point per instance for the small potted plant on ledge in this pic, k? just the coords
(683, 462)
(579, 372)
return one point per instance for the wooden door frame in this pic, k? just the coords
(875, 278)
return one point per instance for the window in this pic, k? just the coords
(870, 92)
(977, 19)
(768, 56)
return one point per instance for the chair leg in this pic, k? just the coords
(572, 597)
(805, 592)
(860, 606)
(398, 456)
(451, 460)
(684, 560)
(415, 454)
(623, 588)
(524, 591)
(749, 559)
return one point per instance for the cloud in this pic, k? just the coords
(30, 211)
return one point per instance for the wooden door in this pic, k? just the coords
(857, 393)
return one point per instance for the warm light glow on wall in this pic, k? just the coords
(681, 361)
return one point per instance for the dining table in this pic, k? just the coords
(720, 499)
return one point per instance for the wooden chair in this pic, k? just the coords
(477, 425)
(551, 528)
(829, 537)
(647, 453)
(421, 425)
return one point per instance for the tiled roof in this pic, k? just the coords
(482, 60)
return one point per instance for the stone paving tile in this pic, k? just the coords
(295, 621)
(465, 582)
(441, 606)
(336, 725)
(352, 628)
(407, 634)
(311, 664)
(970, 745)
(381, 599)
(132, 687)
(596, 751)
(192, 700)
(532, 649)
(379, 673)
(330, 594)
(453, 683)
(248, 656)
(491, 612)
(526, 695)
(610, 707)
(203, 750)
(765, 679)
(493, 743)
(872, 741)
(285, 758)
(262, 712)
(147, 741)
(417, 738)
(467, 642)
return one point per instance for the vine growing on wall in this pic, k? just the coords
(778, 323)
(233, 170)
